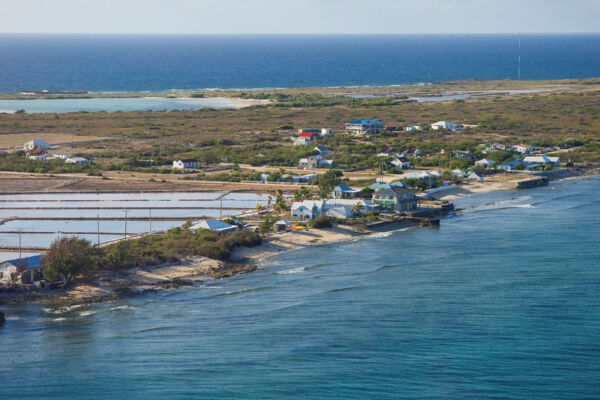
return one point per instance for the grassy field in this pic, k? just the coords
(261, 135)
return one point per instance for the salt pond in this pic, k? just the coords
(187, 205)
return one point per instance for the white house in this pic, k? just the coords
(401, 163)
(488, 164)
(459, 172)
(38, 157)
(343, 208)
(62, 156)
(36, 144)
(365, 126)
(446, 125)
(544, 160)
(302, 141)
(412, 128)
(9, 273)
(215, 225)
(307, 209)
(475, 177)
(76, 160)
(338, 208)
(397, 198)
(315, 162)
(20, 270)
(388, 152)
(189, 163)
(322, 150)
(326, 131)
(523, 148)
(411, 153)
(417, 175)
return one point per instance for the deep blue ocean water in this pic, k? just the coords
(502, 302)
(156, 63)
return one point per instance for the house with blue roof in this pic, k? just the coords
(215, 225)
(343, 191)
(365, 126)
(514, 165)
(21, 270)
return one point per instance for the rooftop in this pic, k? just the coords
(366, 122)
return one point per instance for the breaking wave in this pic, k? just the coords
(516, 202)
(292, 271)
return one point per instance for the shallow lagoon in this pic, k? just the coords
(117, 104)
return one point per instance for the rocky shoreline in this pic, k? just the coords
(111, 285)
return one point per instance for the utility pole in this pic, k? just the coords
(125, 223)
(98, 228)
(221, 206)
(20, 249)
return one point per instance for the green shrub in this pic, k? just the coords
(320, 223)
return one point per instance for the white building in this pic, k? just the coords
(76, 160)
(307, 209)
(523, 148)
(365, 126)
(412, 128)
(459, 173)
(62, 156)
(446, 125)
(544, 160)
(302, 141)
(411, 153)
(475, 177)
(189, 163)
(401, 163)
(326, 132)
(36, 144)
(488, 164)
(38, 157)
(417, 175)
(337, 208)
(313, 162)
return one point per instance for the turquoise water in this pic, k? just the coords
(500, 302)
(115, 104)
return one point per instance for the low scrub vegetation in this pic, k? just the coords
(71, 256)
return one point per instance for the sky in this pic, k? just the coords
(299, 16)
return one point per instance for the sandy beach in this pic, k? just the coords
(467, 189)
(279, 242)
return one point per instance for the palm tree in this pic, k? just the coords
(280, 205)
(357, 208)
(301, 194)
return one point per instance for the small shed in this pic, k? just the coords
(282, 226)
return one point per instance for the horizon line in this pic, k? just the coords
(297, 33)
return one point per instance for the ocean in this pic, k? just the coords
(105, 63)
(500, 302)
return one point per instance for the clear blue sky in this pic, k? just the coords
(299, 16)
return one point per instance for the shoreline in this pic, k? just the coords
(111, 285)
